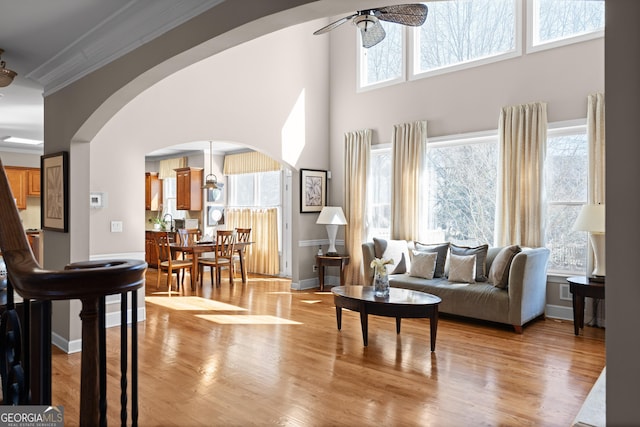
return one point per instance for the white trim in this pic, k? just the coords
(559, 312)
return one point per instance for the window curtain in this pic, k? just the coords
(356, 165)
(167, 167)
(596, 140)
(408, 145)
(519, 205)
(250, 162)
(262, 257)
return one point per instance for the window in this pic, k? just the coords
(554, 23)
(379, 194)
(383, 63)
(457, 33)
(460, 202)
(566, 183)
(261, 189)
(169, 195)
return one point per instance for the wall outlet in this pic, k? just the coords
(315, 268)
(116, 226)
(565, 292)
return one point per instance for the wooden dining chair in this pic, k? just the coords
(224, 251)
(167, 263)
(243, 235)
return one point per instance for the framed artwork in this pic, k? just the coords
(313, 190)
(216, 196)
(54, 195)
(215, 215)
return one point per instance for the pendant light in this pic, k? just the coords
(211, 181)
(6, 75)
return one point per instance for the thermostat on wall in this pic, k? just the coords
(97, 200)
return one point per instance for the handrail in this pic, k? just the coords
(88, 281)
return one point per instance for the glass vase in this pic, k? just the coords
(381, 285)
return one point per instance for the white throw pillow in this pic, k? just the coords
(462, 268)
(397, 250)
(423, 264)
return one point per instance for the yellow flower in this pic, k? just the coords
(378, 264)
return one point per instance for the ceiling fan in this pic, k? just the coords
(368, 21)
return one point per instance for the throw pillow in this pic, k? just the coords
(441, 249)
(397, 250)
(481, 261)
(462, 268)
(423, 264)
(499, 271)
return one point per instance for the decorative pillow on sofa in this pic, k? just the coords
(499, 271)
(423, 264)
(462, 268)
(481, 262)
(397, 250)
(441, 249)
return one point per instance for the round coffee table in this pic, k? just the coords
(401, 303)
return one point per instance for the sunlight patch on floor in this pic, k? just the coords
(311, 301)
(280, 293)
(246, 319)
(323, 293)
(192, 304)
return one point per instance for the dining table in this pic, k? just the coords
(197, 248)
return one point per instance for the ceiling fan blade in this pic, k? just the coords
(334, 25)
(372, 35)
(405, 14)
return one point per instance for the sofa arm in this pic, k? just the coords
(368, 254)
(528, 285)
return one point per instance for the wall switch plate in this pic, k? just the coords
(116, 226)
(315, 268)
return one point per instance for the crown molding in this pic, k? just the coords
(129, 28)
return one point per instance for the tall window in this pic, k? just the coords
(460, 199)
(554, 22)
(379, 194)
(462, 31)
(566, 186)
(384, 62)
(169, 195)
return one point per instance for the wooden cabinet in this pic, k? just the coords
(33, 182)
(18, 182)
(153, 192)
(189, 189)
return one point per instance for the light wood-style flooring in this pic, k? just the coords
(271, 356)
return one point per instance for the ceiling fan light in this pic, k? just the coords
(6, 75)
(365, 22)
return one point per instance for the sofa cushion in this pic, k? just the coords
(423, 264)
(481, 258)
(462, 268)
(499, 271)
(441, 249)
(397, 250)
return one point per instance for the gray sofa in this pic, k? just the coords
(522, 300)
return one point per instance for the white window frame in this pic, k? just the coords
(361, 63)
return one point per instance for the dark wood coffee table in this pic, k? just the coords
(400, 303)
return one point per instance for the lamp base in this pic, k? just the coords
(596, 279)
(332, 254)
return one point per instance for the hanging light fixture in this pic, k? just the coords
(211, 181)
(6, 75)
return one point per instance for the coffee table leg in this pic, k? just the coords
(398, 324)
(433, 321)
(365, 326)
(339, 317)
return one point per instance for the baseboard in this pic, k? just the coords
(559, 312)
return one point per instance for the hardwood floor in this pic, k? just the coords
(245, 368)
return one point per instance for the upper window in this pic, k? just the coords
(383, 63)
(553, 23)
(464, 31)
(460, 202)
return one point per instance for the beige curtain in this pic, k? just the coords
(251, 162)
(262, 256)
(356, 165)
(596, 138)
(167, 167)
(519, 204)
(408, 144)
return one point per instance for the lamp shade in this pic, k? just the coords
(332, 215)
(590, 218)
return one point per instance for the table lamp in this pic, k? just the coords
(332, 217)
(591, 219)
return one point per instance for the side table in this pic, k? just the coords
(581, 287)
(323, 261)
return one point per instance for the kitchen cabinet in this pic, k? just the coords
(153, 192)
(18, 182)
(189, 189)
(33, 182)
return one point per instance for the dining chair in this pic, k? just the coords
(242, 236)
(224, 251)
(167, 263)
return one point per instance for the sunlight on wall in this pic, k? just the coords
(293, 132)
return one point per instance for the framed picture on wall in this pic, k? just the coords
(313, 190)
(215, 215)
(54, 195)
(216, 196)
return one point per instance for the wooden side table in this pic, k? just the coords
(323, 261)
(580, 288)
